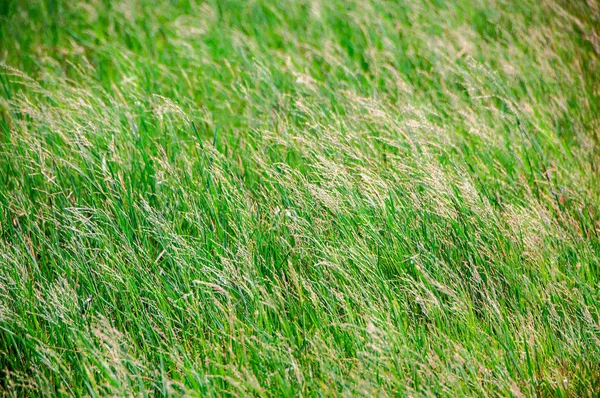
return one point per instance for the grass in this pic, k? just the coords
(300, 198)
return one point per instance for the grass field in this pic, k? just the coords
(300, 198)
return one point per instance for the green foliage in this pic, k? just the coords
(299, 198)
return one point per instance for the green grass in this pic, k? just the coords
(300, 198)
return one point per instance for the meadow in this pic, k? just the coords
(300, 198)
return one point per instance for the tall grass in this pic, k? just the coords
(300, 198)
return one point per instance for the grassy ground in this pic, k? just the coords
(300, 198)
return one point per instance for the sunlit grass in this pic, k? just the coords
(300, 198)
